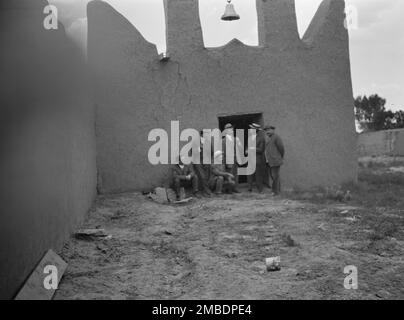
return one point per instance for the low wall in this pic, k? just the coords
(388, 142)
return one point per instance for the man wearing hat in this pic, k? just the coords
(274, 154)
(229, 137)
(259, 150)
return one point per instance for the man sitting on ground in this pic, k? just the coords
(220, 180)
(183, 175)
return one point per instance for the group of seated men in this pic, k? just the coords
(219, 177)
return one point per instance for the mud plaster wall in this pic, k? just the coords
(47, 140)
(303, 87)
(388, 142)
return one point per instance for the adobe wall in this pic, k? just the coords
(303, 87)
(47, 140)
(387, 142)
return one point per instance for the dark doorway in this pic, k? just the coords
(241, 121)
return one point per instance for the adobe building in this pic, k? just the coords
(58, 131)
(301, 86)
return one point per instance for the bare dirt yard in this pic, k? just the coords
(216, 248)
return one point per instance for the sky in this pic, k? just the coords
(376, 37)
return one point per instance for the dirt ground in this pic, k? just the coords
(216, 248)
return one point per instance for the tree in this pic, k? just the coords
(372, 115)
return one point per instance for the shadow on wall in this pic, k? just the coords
(47, 140)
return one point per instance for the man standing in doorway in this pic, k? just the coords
(274, 154)
(259, 150)
(229, 138)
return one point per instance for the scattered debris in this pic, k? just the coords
(273, 264)
(383, 294)
(167, 195)
(289, 241)
(322, 227)
(231, 254)
(92, 234)
(352, 219)
(102, 248)
(159, 195)
(168, 232)
(186, 200)
(120, 214)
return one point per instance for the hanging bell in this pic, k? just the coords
(230, 13)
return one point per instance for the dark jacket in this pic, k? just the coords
(274, 151)
(177, 172)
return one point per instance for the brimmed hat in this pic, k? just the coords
(228, 126)
(255, 126)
